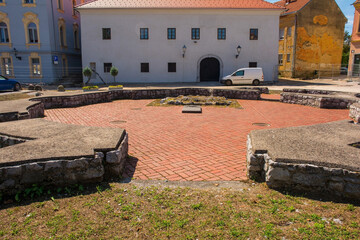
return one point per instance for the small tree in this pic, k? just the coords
(87, 72)
(114, 72)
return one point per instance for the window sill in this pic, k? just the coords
(6, 44)
(33, 44)
(36, 77)
(75, 16)
(63, 47)
(60, 10)
(29, 4)
(2, 4)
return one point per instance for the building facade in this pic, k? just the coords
(311, 38)
(40, 40)
(354, 58)
(178, 40)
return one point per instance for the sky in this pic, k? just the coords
(347, 9)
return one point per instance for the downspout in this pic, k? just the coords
(55, 74)
(294, 49)
(53, 21)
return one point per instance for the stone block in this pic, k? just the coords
(78, 164)
(352, 190)
(310, 180)
(14, 171)
(53, 166)
(113, 157)
(10, 183)
(280, 174)
(336, 186)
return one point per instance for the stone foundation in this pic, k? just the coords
(301, 177)
(35, 110)
(327, 101)
(61, 172)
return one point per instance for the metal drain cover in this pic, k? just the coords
(261, 124)
(118, 122)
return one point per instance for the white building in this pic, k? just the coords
(179, 40)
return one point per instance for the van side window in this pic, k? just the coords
(239, 73)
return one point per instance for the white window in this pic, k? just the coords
(4, 34)
(33, 35)
(35, 67)
(281, 33)
(6, 66)
(280, 59)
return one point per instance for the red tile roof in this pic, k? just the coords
(214, 4)
(293, 6)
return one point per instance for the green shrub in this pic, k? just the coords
(87, 72)
(61, 88)
(116, 86)
(114, 72)
(90, 88)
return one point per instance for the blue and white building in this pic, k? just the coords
(40, 40)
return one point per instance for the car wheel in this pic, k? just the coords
(256, 82)
(17, 87)
(228, 83)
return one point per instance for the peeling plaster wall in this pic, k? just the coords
(320, 36)
(286, 45)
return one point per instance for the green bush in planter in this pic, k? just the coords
(114, 72)
(61, 88)
(87, 72)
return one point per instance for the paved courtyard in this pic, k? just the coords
(166, 144)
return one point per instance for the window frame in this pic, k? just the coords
(282, 34)
(281, 59)
(144, 33)
(106, 35)
(221, 33)
(254, 34)
(108, 67)
(144, 67)
(288, 57)
(33, 35)
(4, 30)
(255, 64)
(171, 33)
(10, 66)
(289, 31)
(195, 33)
(171, 67)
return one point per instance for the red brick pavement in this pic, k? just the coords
(166, 144)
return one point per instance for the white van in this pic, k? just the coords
(244, 76)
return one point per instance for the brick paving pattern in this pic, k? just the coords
(166, 144)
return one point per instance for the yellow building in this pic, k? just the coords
(311, 38)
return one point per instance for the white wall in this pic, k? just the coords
(126, 51)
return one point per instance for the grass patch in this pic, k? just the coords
(275, 91)
(130, 211)
(13, 96)
(156, 103)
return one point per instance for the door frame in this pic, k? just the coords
(209, 56)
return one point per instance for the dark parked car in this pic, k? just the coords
(9, 84)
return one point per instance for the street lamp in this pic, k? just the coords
(16, 54)
(238, 50)
(184, 50)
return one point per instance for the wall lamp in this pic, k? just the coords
(238, 50)
(184, 50)
(16, 54)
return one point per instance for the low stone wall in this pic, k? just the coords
(301, 177)
(307, 91)
(355, 112)
(237, 94)
(74, 100)
(319, 101)
(60, 172)
(33, 111)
